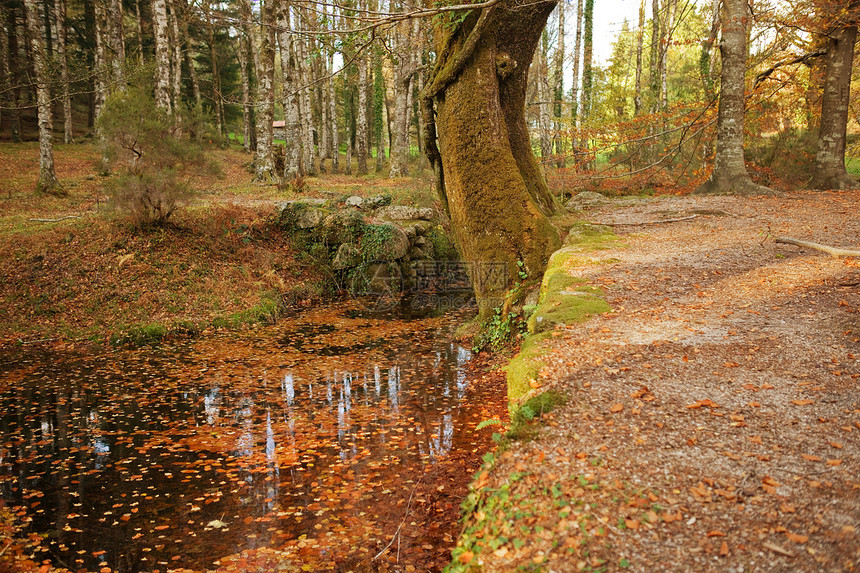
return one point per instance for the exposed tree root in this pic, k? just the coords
(658, 222)
(832, 251)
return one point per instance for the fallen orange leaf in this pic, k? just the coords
(616, 408)
(716, 533)
(724, 549)
(796, 537)
(803, 402)
(810, 458)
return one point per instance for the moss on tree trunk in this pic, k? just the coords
(497, 198)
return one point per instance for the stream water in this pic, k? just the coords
(334, 440)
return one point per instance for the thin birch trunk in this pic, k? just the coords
(654, 75)
(335, 144)
(640, 37)
(5, 76)
(577, 52)
(292, 121)
(264, 162)
(176, 61)
(189, 51)
(100, 60)
(116, 44)
(47, 182)
(216, 74)
(558, 95)
(305, 75)
(544, 103)
(60, 15)
(361, 124)
(162, 54)
(246, 94)
(139, 29)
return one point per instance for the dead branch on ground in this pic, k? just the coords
(832, 251)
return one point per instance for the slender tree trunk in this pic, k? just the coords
(378, 109)
(640, 38)
(830, 170)
(5, 75)
(668, 31)
(176, 61)
(307, 113)
(587, 72)
(116, 43)
(216, 74)
(101, 67)
(187, 42)
(335, 143)
(558, 92)
(575, 91)
(139, 29)
(264, 163)
(361, 125)
(162, 54)
(47, 182)
(246, 93)
(730, 173)
(292, 121)
(707, 48)
(544, 97)
(496, 196)
(404, 68)
(654, 75)
(60, 15)
(252, 67)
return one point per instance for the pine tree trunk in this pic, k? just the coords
(558, 92)
(162, 54)
(47, 182)
(496, 197)
(292, 121)
(730, 175)
(264, 163)
(830, 172)
(60, 15)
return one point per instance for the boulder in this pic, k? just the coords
(301, 213)
(585, 200)
(348, 255)
(344, 226)
(405, 213)
(396, 247)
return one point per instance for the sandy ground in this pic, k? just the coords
(713, 418)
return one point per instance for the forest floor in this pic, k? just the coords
(712, 419)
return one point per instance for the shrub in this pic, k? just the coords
(152, 155)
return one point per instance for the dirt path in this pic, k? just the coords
(713, 422)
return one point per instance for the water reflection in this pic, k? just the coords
(144, 460)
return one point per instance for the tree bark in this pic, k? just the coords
(176, 61)
(60, 16)
(5, 75)
(47, 182)
(335, 142)
(730, 175)
(139, 29)
(576, 92)
(829, 172)
(361, 124)
(244, 65)
(264, 163)
(544, 104)
(188, 51)
(216, 74)
(404, 69)
(116, 43)
(558, 91)
(162, 54)
(496, 196)
(292, 121)
(378, 109)
(640, 38)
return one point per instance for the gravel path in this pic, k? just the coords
(713, 418)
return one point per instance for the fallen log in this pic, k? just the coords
(56, 220)
(832, 251)
(657, 222)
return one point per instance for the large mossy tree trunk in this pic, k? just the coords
(730, 174)
(830, 172)
(496, 196)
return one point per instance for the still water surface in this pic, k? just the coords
(335, 440)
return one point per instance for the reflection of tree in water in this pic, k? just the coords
(129, 452)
